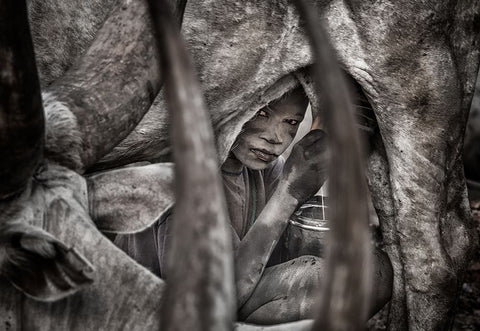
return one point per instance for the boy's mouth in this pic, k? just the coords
(263, 154)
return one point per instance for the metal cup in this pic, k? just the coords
(307, 231)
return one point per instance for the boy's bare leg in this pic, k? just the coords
(303, 325)
(288, 291)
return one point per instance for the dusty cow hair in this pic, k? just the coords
(411, 223)
(61, 38)
(238, 75)
(62, 136)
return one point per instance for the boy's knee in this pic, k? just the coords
(309, 274)
(307, 270)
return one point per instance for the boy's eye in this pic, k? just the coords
(262, 113)
(292, 122)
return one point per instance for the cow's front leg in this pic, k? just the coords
(418, 108)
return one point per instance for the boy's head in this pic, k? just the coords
(269, 133)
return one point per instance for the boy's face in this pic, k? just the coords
(271, 131)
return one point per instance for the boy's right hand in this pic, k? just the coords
(305, 170)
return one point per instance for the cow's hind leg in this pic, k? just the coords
(421, 122)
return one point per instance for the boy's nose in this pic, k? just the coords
(273, 141)
(272, 136)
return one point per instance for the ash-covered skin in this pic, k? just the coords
(268, 135)
(306, 169)
(262, 140)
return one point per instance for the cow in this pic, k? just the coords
(62, 31)
(471, 155)
(62, 272)
(415, 62)
(51, 249)
(48, 238)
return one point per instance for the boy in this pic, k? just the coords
(262, 191)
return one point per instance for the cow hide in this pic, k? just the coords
(416, 63)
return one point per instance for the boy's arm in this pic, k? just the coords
(303, 175)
